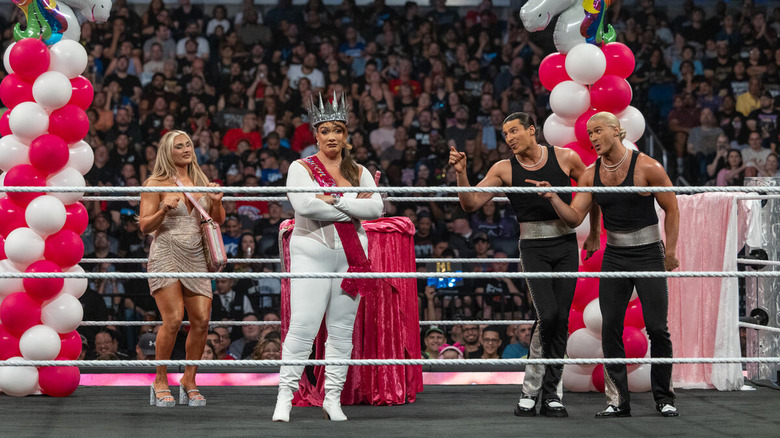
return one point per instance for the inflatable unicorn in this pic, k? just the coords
(96, 11)
(52, 20)
(579, 21)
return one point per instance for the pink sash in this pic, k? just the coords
(356, 257)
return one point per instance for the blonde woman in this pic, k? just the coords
(177, 247)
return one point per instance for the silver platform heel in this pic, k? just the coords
(159, 401)
(186, 399)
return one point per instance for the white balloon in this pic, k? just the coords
(18, 381)
(583, 345)
(567, 29)
(75, 286)
(52, 90)
(40, 343)
(28, 120)
(9, 285)
(591, 315)
(67, 177)
(68, 57)
(63, 313)
(6, 61)
(577, 378)
(81, 157)
(629, 144)
(13, 151)
(585, 63)
(24, 246)
(45, 215)
(2, 184)
(569, 100)
(632, 120)
(639, 379)
(557, 131)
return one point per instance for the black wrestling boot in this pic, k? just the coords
(613, 412)
(525, 407)
(667, 410)
(553, 408)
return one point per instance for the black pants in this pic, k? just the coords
(552, 301)
(614, 295)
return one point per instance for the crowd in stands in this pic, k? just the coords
(419, 78)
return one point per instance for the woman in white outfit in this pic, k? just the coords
(327, 237)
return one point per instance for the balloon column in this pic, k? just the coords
(42, 146)
(585, 78)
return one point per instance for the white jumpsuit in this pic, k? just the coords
(315, 247)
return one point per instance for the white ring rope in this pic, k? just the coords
(249, 323)
(406, 190)
(284, 275)
(276, 260)
(759, 327)
(285, 199)
(758, 262)
(379, 362)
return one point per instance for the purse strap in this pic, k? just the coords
(195, 203)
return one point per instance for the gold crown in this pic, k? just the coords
(331, 112)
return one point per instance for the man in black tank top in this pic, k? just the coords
(634, 243)
(546, 245)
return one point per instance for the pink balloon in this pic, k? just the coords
(29, 58)
(575, 320)
(18, 312)
(634, 342)
(14, 90)
(69, 122)
(11, 217)
(5, 127)
(24, 175)
(552, 70)
(587, 154)
(581, 127)
(76, 218)
(49, 153)
(634, 316)
(43, 289)
(2, 248)
(587, 290)
(598, 377)
(620, 60)
(610, 93)
(9, 344)
(593, 264)
(83, 93)
(64, 248)
(58, 381)
(71, 346)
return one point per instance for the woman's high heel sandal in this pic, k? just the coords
(193, 397)
(160, 402)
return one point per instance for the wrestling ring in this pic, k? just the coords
(460, 398)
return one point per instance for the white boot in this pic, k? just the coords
(335, 376)
(283, 405)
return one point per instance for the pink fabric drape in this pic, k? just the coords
(703, 312)
(386, 327)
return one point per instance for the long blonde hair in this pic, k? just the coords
(164, 168)
(610, 120)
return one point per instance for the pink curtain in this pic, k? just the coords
(703, 312)
(386, 327)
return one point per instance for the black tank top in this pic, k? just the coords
(530, 207)
(625, 211)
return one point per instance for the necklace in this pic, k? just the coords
(528, 166)
(614, 167)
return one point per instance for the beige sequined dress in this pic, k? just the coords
(178, 247)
